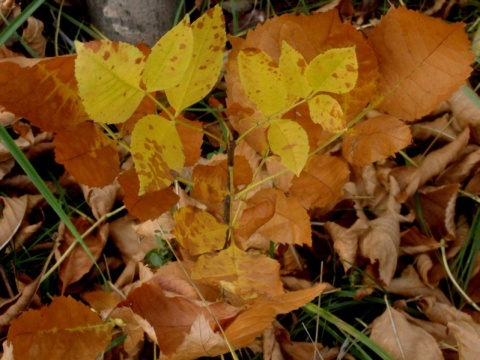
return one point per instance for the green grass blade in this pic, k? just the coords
(19, 20)
(342, 325)
(22, 160)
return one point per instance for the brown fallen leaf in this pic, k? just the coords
(37, 333)
(13, 211)
(403, 340)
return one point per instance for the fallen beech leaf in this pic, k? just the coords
(149, 206)
(100, 200)
(375, 139)
(151, 303)
(32, 35)
(433, 164)
(468, 337)
(78, 263)
(92, 158)
(191, 139)
(412, 49)
(42, 91)
(135, 335)
(108, 75)
(400, 339)
(240, 273)
(198, 231)
(459, 171)
(37, 333)
(289, 224)
(210, 186)
(17, 305)
(12, 212)
(464, 109)
(316, 187)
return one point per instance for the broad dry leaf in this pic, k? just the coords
(210, 186)
(135, 335)
(468, 338)
(37, 334)
(375, 139)
(345, 240)
(243, 274)
(206, 62)
(78, 263)
(459, 171)
(433, 164)
(316, 187)
(108, 75)
(42, 91)
(157, 152)
(150, 302)
(403, 340)
(33, 36)
(149, 206)
(464, 109)
(88, 154)
(422, 61)
(198, 231)
(100, 200)
(191, 136)
(289, 224)
(11, 216)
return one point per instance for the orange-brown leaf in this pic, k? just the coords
(42, 91)
(320, 182)
(422, 61)
(66, 329)
(88, 154)
(149, 206)
(375, 139)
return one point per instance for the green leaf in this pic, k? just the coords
(206, 61)
(108, 75)
(156, 150)
(290, 141)
(335, 71)
(262, 80)
(326, 111)
(293, 67)
(170, 57)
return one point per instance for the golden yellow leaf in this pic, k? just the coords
(262, 80)
(198, 231)
(243, 274)
(108, 75)
(290, 141)
(293, 66)
(422, 61)
(156, 150)
(335, 71)
(170, 57)
(206, 62)
(326, 111)
(67, 329)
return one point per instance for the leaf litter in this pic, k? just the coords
(374, 144)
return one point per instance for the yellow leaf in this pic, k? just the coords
(156, 150)
(293, 66)
(170, 57)
(335, 71)
(290, 141)
(198, 231)
(108, 75)
(262, 80)
(326, 111)
(244, 274)
(206, 61)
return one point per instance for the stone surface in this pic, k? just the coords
(133, 21)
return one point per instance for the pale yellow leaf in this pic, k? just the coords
(170, 57)
(293, 66)
(207, 60)
(335, 71)
(290, 141)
